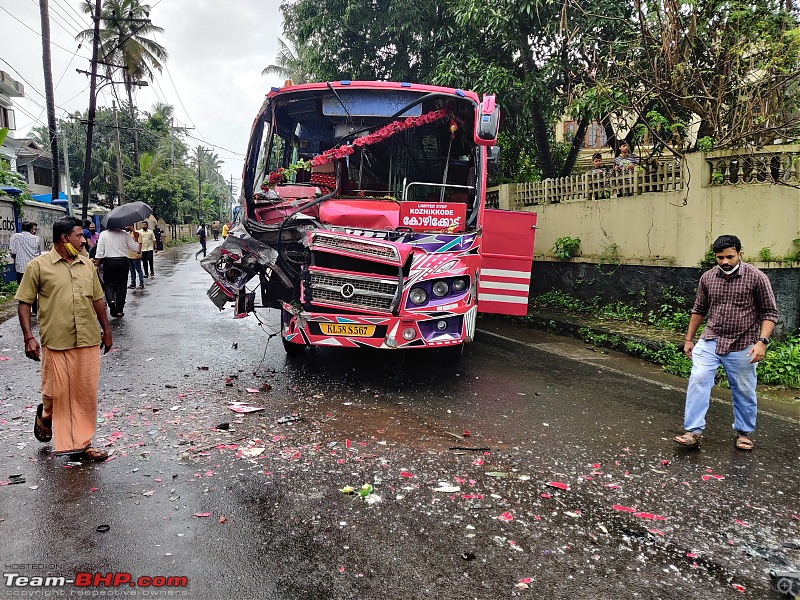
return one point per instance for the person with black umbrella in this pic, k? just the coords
(112, 251)
(113, 246)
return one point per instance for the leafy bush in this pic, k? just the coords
(620, 311)
(765, 254)
(781, 365)
(558, 299)
(7, 290)
(705, 144)
(566, 247)
(709, 260)
(673, 314)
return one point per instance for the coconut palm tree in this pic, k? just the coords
(44, 11)
(41, 135)
(291, 63)
(126, 41)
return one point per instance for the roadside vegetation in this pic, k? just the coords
(180, 241)
(7, 291)
(781, 367)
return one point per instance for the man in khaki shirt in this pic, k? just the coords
(148, 242)
(70, 305)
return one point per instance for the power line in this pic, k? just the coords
(36, 32)
(176, 90)
(67, 8)
(30, 85)
(60, 21)
(241, 154)
(53, 18)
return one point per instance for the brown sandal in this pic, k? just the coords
(90, 454)
(689, 439)
(743, 442)
(42, 428)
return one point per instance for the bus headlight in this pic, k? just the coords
(440, 289)
(418, 296)
(459, 285)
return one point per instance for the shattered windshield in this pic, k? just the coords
(377, 143)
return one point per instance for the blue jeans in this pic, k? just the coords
(135, 266)
(741, 375)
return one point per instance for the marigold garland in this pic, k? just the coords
(281, 175)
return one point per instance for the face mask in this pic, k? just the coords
(733, 270)
(70, 249)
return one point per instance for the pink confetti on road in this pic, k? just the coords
(526, 580)
(656, 531)
(545, 495)
(665, 462)
(596, 466)
(691, 555)
(623, 508)
(478, 462)
(406, 474)
(707, 477)
(341, 569)
(506, 516)
(241, 408)
(651, 516)
(742, 523)
(557, 484)
(347, 444)
(204, 514)
(5, 358)
(737, 587)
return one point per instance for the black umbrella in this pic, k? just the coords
(127, 214)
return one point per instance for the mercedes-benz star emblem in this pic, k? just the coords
(348, 290)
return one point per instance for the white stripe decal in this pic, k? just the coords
(497, 285)
(504, 273)
(498, 298)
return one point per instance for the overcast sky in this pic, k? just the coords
(213, 76)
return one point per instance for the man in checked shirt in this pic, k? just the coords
(741, 310)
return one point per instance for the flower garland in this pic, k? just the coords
(282, 174)
(378, 136)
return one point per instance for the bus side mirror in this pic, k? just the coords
(493, 158)
(487, 123)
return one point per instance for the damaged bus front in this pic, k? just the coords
(363, 219)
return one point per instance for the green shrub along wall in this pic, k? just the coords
(645, 286)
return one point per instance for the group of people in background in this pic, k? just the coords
(623, 162)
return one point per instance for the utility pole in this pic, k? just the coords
(120, 180)
(70, 211)
(230, 202)
(44, 13)
(200, 152)
(87, 164)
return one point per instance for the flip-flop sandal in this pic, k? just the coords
(42, 428)
(90, 454)
(743, 442)
(689, 439)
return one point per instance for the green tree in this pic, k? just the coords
(161, 191)
(352, 39)
(291, 63)
(126, 40)
(732, 66)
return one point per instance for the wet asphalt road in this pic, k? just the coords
(255, 510)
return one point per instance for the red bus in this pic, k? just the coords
(363, 219)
